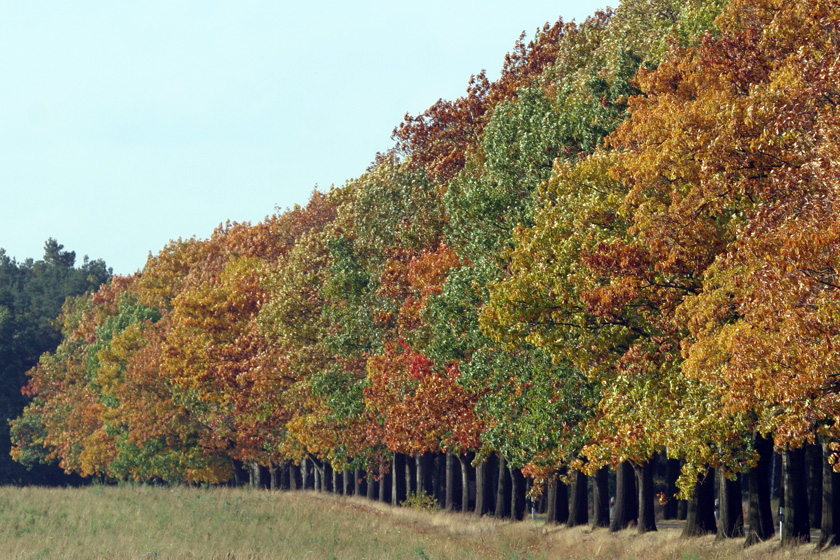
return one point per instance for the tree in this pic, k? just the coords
(31, 298)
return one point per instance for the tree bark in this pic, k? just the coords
(672, 473)
(503, 490)
(579, 502)
(759, 515)
(465, 482)
(830, 518)
(517, 492)
(730, 509)
(601, 497)
(272, 475)
(701, 508)
(647, 496)
(796, 527)
(626, 507)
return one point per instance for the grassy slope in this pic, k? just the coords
(147, 522)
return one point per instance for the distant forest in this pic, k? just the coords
(31, 295)
(612, 272)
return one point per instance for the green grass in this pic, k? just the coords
(188, 523)
(160, 523)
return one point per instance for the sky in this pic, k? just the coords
(124, 125)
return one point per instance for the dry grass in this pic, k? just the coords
(167, 523)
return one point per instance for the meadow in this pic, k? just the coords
(147, 522)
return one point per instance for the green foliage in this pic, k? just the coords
(626, 242)
(31, 296)
(421, 500)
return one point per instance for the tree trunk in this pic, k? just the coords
(517, 492)
(759, 515)
(830, 518)
(420, 473)
(682, 510)
(672, 473)
(626, 507)
(551, 500)
(398, 479)
(465, 482)
(348, 482)
(730, 509)
(236, 480)
(814, 458)
(503, 490)
(480, 485)
(601, 497)
(701, 508)
(253, 476)
(318, 476)
(450, 482)
(272, 475)
(327, 477)
(796, 528)
(304, 473)
(578, 503)
(371, 487)
(647, 496)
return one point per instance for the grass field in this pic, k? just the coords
(167, 523)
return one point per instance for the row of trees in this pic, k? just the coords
(623, 248)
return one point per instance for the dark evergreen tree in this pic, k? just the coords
(31, 296)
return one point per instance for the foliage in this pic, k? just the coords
(625, 245)
(31, 296)
(422, 501)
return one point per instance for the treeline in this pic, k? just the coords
(31, 295)
(623, 249)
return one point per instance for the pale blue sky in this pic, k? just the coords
(124, 124)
